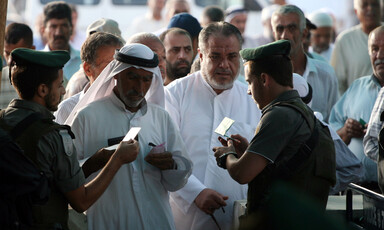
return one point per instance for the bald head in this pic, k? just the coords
(376, 52)
(154, 43)
(374, 34)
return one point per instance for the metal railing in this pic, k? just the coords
(373, 208)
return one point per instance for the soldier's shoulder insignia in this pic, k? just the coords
(67, 142)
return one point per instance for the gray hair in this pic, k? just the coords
(94, 42)
(292, 9)
(218, 28)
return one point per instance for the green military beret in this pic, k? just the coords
(53, 59)
(280, 47)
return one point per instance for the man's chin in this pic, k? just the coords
(223, 86)
(60, 45)
(320, 49)
(53, 108)
(181, 74)
(134, 103)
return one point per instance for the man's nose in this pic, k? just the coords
(58, 30)
(369, 7)
(140, 86)
(285, 34)
(182, 54)
(224, 63)
(380, 53)
(62, 91)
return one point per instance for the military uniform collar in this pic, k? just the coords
(33, 106)
(285, 96)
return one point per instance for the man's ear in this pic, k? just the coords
(264, 79)
(87, 69)
(42, 90)
(305, 34)
(200, 54)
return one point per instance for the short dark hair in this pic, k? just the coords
(26, 77)
(58, 10)
(214, 13)
(94, 42)
(174, 30)
(17, 31)
(218, 28)
(279, 67)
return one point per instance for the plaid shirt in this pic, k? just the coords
(371, 145)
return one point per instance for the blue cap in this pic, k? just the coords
(187, 22)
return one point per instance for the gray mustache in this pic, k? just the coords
(379, 61)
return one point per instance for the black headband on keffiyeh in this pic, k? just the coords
(105, 82)
(149, 63)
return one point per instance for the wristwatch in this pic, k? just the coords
(222, 163)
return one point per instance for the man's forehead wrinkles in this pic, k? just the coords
(228, 49)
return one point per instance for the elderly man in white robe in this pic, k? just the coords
(129, 93)
(198, 103)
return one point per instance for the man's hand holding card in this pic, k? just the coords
(160, 158)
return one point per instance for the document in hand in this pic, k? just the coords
(224, 126)
(132, 133)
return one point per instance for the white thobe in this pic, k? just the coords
(65, 107)
(137, 197)
(197, 111)
(350, 57)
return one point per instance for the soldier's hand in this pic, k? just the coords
(162, 161)
(219, 151)
(127, 151)
(209, 200)
(239, 146)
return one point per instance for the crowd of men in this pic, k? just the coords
(307, 116)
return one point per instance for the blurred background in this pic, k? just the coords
(125, 11)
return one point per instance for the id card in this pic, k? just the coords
(132, 133)
(224, 126)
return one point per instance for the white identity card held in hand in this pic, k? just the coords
(224, 126)
(132, 133)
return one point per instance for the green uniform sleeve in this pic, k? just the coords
(277, 131)
(58, 159)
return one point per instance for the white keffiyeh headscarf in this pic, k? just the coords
(105, 83)
(302, 87)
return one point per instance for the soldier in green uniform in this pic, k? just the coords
(275, 152)
(38, 79)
